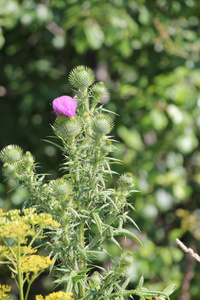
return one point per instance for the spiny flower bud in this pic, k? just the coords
(61, 188)
(107, 147)
(98, 91)
(95, 281)
(127, 180)
(81, 77)
(28, 159)
(66, 128)
(126, 260)
(11, 154)
(102, 124)
(9, 170)
(65, 105)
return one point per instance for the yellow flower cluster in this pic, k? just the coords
(18, 227)
(56, 296)
(4, 289)
(12, 252)
(35, 263)
(20, 255)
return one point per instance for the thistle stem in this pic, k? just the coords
(86, 100)
(82, 261)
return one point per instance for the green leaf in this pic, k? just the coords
(98, 222)
(140, 283)
(81, 193)
(109, 111)
(126, 282)
(78, 277)
(127, 233)
(133, 222)
(169, 289)
(115, 241)
(94, 34)
(54, 144)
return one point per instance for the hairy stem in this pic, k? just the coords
(82, 261)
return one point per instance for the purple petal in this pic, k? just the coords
(65, 105)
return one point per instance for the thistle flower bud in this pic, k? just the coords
(9, 170)
(61, 189)
(95, 281)
(11, 154)
(81, 77)
(107, 147)
(102, 124)
(28, 159)
(127, 180)
(66, 128)
(98, 91)
(126, 260)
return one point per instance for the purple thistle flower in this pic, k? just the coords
(65, 105)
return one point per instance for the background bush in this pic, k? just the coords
(147, 53)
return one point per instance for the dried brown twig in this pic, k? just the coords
(188, 250)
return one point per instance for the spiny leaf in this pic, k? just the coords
(169, 289)
(127, 233)
(115, 241)
(98, 222)
(140, 283)
(54, 144)
(109, 111)
(132, 221)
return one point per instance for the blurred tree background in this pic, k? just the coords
(147, 53)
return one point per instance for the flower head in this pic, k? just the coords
(127, 180)
(81, 77)
(66, 128)
(65, 105)
(56, 296)
(102, 124)
(61, 188)
(4, 289)
(11, 154)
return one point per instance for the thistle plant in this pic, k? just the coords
(88, 212)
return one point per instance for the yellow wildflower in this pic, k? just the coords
(56, 296)
(4, 289)
(12, 225)
(5, 252)
(35, 263)
(1, 212)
